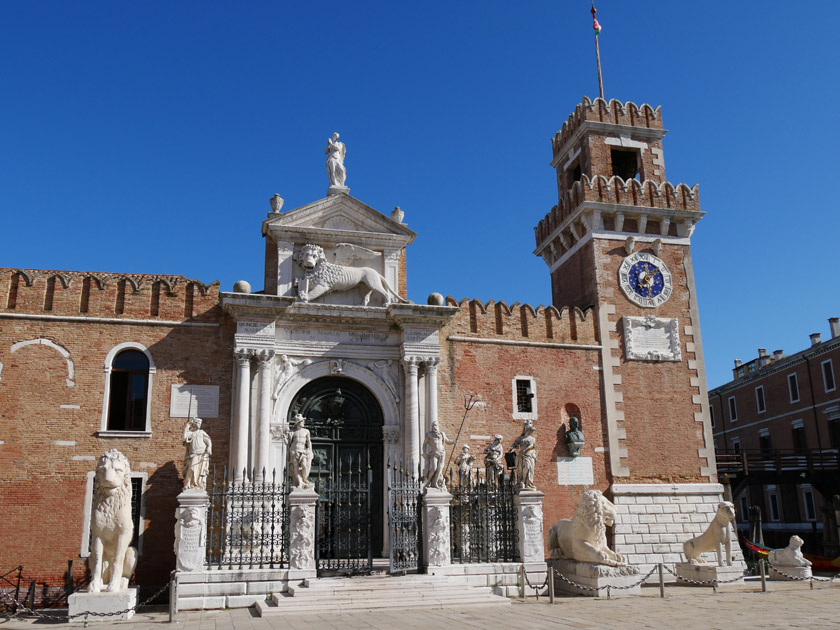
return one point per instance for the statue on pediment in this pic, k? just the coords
(335, 161)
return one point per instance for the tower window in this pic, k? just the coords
(129, 381)
(573, 173)
(625, 163)
(524, 398)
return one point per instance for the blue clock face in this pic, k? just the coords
(645, 280)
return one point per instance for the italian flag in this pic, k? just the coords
(595, 23)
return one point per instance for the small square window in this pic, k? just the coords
(760, 405)
(793, 387)
(524, 390)
(828, 376)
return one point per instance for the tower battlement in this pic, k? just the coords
(94, 294)
(631, 193)
(613, 112)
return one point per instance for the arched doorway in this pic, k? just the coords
(345, 421)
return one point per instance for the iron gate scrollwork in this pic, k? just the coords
(343, 520)
(248, 521)
(405, 520)
(483, 519)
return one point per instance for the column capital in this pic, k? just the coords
(243, 356)
(431, 363)
(264, 356)
(410, 364)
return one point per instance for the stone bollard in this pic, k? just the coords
(302, 504)
(436, 543)
(529, 522)
(191, 530)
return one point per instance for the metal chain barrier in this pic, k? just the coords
(813, 578)
(605, 586)
(26, 609)
(713, 583)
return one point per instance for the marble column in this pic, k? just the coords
(243, 407)
(261, 461)
(412, 414)
(431, 390)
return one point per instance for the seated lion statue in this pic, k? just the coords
(112, 561)
(715, 536)
(323, 277)
(584, 536)
(790, 556)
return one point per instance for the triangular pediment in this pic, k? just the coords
(337, 214)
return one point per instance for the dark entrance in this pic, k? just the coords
(345, 422)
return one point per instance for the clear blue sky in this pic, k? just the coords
(148, 136)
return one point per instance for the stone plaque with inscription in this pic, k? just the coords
(652, 339)
(194, 400)
(255, 328)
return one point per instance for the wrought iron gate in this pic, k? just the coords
(405, 520)
(483, 519)
(343, 522)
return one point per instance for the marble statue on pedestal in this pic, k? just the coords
(574, 437)
(716, 538)
(790, 556)
(199, 447)
(336, 151)
(112, 560)
(434, 453)
(493, 459)
(300, 454)
(464, 462)
(584, 536)
(526, 457)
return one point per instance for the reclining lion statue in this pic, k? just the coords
(323, 277)
(715, 536)
(112, 560)
(790, 556)
(584, 536)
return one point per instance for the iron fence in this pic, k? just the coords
(248, 521)
(482, 518)
(405, 520)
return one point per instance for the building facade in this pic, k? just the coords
(779, 417)
(98, 361)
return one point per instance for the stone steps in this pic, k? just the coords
(376, 593)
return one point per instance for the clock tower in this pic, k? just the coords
(619, 240)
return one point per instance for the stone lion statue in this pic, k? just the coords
(716, 534)
(323, 277)
(790, 556)
(584, 536)
(112, 561)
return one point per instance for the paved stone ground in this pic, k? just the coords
(786, 605)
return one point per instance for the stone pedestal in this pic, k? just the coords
(81, 604)
(705, 573)
(335, 190)
(529, 522)
(302, 504)
(594, 576)
(436, 543)
(795, 573)
(191, 530)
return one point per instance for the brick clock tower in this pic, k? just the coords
(619, 240)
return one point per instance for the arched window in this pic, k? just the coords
(126, 407)
(129, 389)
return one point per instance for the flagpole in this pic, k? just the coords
(598, 53)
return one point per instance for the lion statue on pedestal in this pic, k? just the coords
(715, 536)
(790, 556)
(112, 561)
(324, 277)
(584, 536)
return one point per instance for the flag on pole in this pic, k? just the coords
(595, 23)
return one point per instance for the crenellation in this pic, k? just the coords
(614, 112)
(133, 296)
(545, 324)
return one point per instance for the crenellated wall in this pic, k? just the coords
(90, 294)
(614, 112)
(631, 192)
(523, 322)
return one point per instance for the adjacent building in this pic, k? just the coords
(777, 427)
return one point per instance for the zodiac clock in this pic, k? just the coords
(645, 280)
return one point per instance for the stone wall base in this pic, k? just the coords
(654, 520)
(704, 573)
(80, 604)
(503, 577)
(594, 576)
